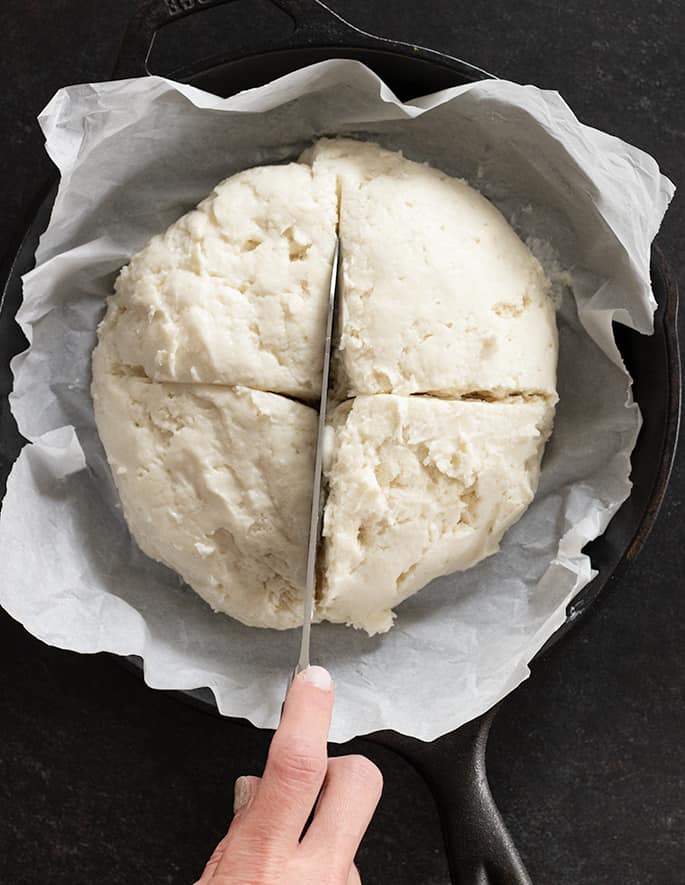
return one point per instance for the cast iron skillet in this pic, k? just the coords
(479, 848)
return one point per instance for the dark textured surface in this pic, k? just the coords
(104, 780)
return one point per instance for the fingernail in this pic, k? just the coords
(242, 793)
(317, 676)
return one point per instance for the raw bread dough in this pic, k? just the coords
(235, 291)
(214, 319)
(215, 482)
(420, 487)
(439, 294)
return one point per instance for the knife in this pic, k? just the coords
(317, 508)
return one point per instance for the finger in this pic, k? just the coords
(354, 878)
(350, 795)
(297, 761)
(244, 791)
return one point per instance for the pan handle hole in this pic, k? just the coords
(217, 34)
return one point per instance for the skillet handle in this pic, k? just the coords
(314, 24)
(479, 849)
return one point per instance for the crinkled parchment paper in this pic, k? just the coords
(133, 156)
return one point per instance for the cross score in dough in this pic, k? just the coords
(444, 373)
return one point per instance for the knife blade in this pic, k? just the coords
(316, 511)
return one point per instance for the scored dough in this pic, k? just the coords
(214, 321)
(215, 483)
(235, 291)
(439, 295)
(418, 488)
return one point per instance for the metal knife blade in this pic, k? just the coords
(315, 517)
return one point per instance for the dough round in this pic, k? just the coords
(444, 371)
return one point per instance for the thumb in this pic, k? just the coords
(243, 793)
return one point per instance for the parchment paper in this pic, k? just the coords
(133, 155)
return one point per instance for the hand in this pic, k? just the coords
(264, 844)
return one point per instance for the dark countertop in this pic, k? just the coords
(103, 780)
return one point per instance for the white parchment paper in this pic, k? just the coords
(134, 155)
